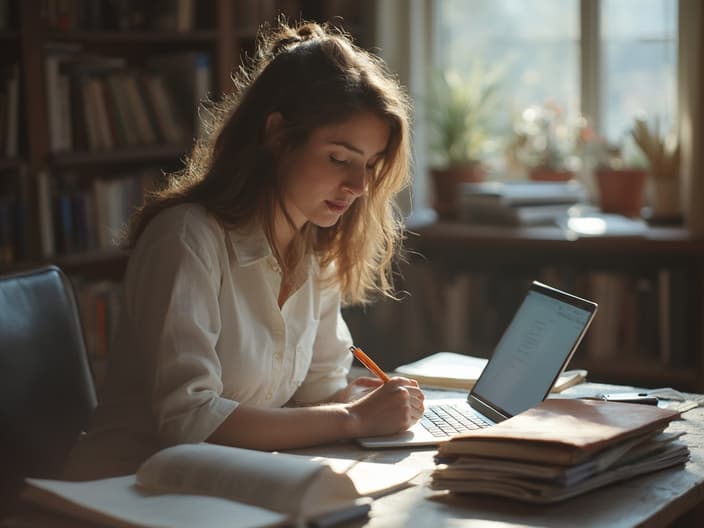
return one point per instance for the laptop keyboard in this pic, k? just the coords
(450, 419)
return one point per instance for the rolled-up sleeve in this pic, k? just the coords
(331, 359)
(174, 303)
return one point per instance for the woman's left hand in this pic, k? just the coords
(356, 389)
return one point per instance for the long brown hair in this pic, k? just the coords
(313, 75)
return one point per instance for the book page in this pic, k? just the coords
(543, 492)
(291, 484)
(120, 502)
(372, 479)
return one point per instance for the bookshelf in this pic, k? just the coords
(91, 132)
(465, 282)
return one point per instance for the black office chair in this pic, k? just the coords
(47, 394)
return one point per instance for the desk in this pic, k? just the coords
(652, 500)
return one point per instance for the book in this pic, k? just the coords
(12, 120)
(518, 203)
(517, 215)
(522, 193)
(45, 213)
(189, 76)
(560, 431)
(211, 485)
(466, 467)
(544, 484)
(560, 449)
(450, 370)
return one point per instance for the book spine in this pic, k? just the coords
(12, 114)
(44, 200)
(202, 84)
(51, 73)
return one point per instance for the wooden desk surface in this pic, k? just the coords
(652, 500)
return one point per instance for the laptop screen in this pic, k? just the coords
(533, 350)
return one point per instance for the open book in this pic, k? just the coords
(210, 485)
(449, 370)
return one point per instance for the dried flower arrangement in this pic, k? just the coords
(661, 151)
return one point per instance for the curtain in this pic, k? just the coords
(403, 39)
(691, 111)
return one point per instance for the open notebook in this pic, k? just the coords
(450, 370)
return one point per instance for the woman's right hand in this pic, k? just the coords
(388, 409)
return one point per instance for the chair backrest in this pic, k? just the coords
(47, 394)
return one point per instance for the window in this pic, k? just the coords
(608, 60)
(639, 58)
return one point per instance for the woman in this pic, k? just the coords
(231, 330)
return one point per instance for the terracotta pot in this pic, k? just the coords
(554, 175)
(446, 182)
(621, 191)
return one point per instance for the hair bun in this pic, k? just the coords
(284, 44)
(310, 30)
(286, 37)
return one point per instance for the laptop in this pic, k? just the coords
(535, 348)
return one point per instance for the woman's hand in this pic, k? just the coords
(389, 408)
(356, 389)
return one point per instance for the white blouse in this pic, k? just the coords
(200, 332)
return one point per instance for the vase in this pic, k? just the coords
(666, 200)
(621, 191)
(446, 182)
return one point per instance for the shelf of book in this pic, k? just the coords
(202, 36)
(136, 154)
(107, 95)
(97, 264)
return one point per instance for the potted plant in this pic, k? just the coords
(543, 144)
(663, 155)
(459, 113)
(620, 179)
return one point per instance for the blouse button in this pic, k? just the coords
(277, 356)
(274, 265)
(268, 395)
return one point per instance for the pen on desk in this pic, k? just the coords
(367, 362)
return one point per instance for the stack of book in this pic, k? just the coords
(518, 203)
(559, 449)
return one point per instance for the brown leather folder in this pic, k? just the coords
(561, 431)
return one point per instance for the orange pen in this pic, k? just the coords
(367, 362)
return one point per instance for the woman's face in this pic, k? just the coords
(329, 171)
